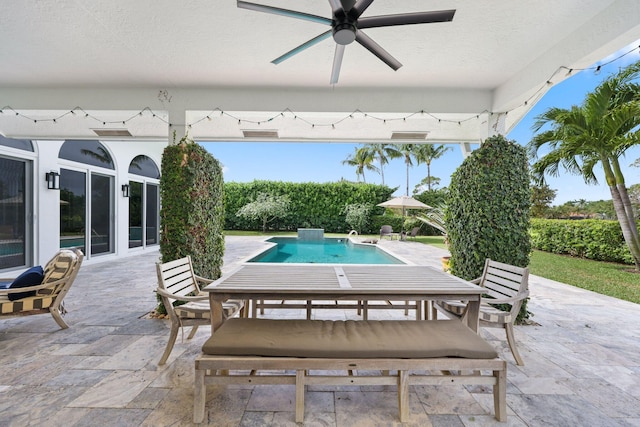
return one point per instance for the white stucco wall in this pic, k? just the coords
(46, 211)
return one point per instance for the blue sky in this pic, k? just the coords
(322, 162)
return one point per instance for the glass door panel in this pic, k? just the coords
(101, 214)
(13, 220)
(135, 214)
(152, 214)
(73, 208)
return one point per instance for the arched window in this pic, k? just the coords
(89, 152)
(143, 165)
(20, 144)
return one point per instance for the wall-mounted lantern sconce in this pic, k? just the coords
(126, 190)
(53, 180)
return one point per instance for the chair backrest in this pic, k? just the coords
(177, 277)
(386, 229)
(414, 232)
(62, 268)
(505, 281)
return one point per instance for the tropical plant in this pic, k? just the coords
(541, 198)
(431, 182)
(427, 153)
(266, 208)
(597, 132)
(407, 153)
(434, 217)
(383, 153)
(362, 158)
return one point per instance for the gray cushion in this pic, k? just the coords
(347, 339)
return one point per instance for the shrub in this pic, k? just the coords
(600, 240)
(357, 216)
(192, 214)
(266, 208)
(488, 205)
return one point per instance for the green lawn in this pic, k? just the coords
(615, 280)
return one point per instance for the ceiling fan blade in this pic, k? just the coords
(335, 5)
(359, 8)
(283, 12)
(347, 4)
(377, 50)
(337, 63)
(302, 47)
(406, 19)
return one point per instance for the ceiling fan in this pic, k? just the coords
(347, 25)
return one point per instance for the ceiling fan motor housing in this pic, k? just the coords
(344, 32)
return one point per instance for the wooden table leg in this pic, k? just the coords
(473, 315)
(216, 313)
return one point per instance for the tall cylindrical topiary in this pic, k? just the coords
(488, 206)
(192, 214)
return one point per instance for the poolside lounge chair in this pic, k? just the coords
(178, 282)
(42, 289)
(387, 230)
(506, 285)
(414, 232)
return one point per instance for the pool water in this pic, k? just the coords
(327, 251)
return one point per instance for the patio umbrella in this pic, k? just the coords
(404, 203)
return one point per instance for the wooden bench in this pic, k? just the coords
(422, 352)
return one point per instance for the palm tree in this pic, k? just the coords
(407, 153)
(426, 153)
(597, 132)
(362, 158)
(383, 153)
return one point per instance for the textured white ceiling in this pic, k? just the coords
(183, 59)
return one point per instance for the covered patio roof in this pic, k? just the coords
(122, 69)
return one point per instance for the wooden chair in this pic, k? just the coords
(178, 282)
(48, 297)
(507, 287)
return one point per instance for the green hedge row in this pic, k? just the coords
(313, 205)
(593, 239)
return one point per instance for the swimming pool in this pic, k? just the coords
(326, 251)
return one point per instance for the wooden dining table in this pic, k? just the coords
(262, 281)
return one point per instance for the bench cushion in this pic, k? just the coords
(347, 339)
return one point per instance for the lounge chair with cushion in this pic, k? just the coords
(178, 283)
(507, 287)
(41, 290)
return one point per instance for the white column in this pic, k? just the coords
(177, 125)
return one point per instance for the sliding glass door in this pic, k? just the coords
(15, 213)
(86, 213)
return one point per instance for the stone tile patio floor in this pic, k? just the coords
(582, 363)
